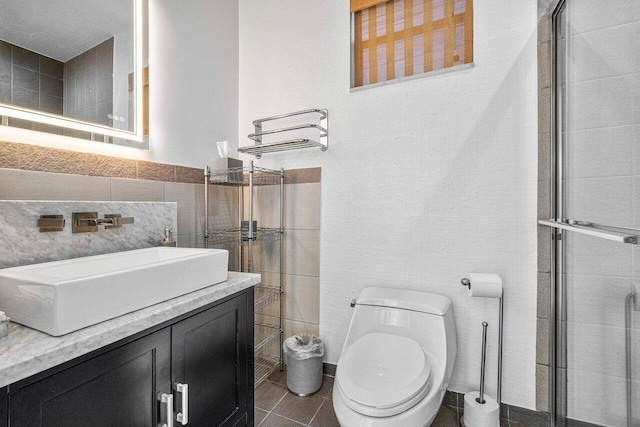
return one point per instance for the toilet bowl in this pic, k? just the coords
(397, 359)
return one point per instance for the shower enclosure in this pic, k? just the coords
(596, 306)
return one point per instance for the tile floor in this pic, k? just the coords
(276, 407)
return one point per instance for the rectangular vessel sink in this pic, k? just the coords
(63, 296)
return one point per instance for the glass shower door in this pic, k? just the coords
(597, 134)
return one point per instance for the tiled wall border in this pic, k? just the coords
(44, 159)
(545, 156)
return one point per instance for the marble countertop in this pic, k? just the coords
(25, 351)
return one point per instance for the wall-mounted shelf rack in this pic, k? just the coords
(268, 298)
(265, 295)
(264, 365)
(261, 176)
(261, 147)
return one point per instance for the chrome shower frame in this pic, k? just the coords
(557, 332)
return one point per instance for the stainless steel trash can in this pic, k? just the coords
(304, 364)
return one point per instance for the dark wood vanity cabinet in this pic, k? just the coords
(210, 353)
(118, 386)
(209, 350)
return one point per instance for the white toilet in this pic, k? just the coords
(397, 359)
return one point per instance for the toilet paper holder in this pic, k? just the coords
(467, 283)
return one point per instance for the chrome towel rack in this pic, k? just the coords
(290, 144)
(609, 232)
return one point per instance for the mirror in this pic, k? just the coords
(74, 67)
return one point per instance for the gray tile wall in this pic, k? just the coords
(301, 253)
(30, 80)
(88, 89)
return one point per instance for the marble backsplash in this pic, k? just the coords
(22, 243)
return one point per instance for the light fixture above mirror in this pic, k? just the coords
(74, 67)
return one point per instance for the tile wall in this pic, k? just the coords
(30, 80)
(30, 172)
(301, 249)
(38, 173)
(603, 125)
(603, 171)
(88, 88)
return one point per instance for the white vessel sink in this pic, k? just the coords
(63, 296)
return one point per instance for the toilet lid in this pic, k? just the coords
(383, 371)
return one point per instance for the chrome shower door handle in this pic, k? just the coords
(183, 417)
(167, 399)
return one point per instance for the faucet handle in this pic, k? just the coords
(117, 220)
(50, 223)
(84, 222)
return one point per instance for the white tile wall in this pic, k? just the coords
(589, 15)
(599, 399)
(604, 200)
(603, 53)
(593, 256)
(604, 102)
(604, 184)
(602, 152)
(597, 300)
(601, 349)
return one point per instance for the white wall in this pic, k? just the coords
(424, 181)
(193, 79)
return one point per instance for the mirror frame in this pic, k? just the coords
(70, 123)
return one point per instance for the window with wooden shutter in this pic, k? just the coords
(401, 38)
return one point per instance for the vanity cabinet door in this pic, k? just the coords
(210, 353)
(117, 388)
(3, 407)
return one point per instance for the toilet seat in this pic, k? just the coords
(382, 375)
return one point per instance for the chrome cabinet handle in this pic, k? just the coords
(168, 400)
(183, 417)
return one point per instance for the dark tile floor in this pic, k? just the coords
(276, 407)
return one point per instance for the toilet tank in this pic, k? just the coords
(424, 317)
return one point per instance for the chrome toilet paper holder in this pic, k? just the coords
(467, 283)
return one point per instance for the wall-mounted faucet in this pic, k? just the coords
(84, 222)
(47, 223)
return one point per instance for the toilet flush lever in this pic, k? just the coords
(466, 282)
(353, 302)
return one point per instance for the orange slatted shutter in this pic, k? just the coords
(396, 38)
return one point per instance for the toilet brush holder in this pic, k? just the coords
(481, 410)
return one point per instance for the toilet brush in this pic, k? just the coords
(481, 410)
